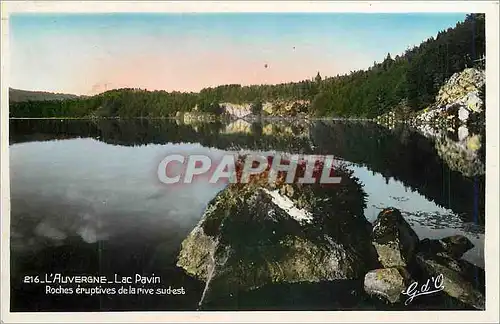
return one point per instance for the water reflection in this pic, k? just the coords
(86, 188)
(407, 157)
(427, 218)
(91, 187)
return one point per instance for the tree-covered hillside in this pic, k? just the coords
(409, 81)
(16, 95)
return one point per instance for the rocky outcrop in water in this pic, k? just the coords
(394, 239)
(455, 246)
(460, 278)
(463, 88)
(458, 109)
(254, 235)
(458, 100)
(278, 108)
(456, 277)
(407, 260)
(396, 244)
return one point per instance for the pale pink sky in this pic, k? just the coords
(192, 70)
(86, 54)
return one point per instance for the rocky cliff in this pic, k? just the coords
(458, 101)
(276, 108)
(456, 121)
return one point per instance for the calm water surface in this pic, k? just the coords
(85, 197)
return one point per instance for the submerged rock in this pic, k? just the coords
(455, 246)
(250, 236)
(394, 239)
(456, 277)
(386, 284)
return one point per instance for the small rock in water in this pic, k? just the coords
(386, 284)
(455, 246)
(394, 239)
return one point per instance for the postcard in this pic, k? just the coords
(249, 161)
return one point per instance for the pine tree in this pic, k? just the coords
(318, 78)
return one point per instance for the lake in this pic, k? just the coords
(86, 199)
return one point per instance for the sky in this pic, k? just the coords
(91, 53)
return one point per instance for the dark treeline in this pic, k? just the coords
(400, 154)
(121, 102)
(409, 81)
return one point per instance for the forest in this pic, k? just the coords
(408, 80)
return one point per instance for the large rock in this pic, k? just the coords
(394, 239)
(459, 101)
(456, 277)
(386, 284)
(237, 110)
(463, 87)
(252, 235)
